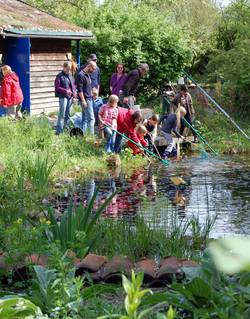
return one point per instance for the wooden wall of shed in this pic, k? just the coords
(46, 60)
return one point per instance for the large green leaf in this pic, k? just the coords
(199, 288)
(13, 307)
(231, 255)
(98, 289)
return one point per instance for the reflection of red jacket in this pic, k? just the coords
(125, 123)
(136, 149)
(11, 90)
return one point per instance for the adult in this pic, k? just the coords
(65, 91)
(84, 89)
(183, 98)
(117, 80)
(96, 75)
(127, 121)
(11, 93)
(131, 84)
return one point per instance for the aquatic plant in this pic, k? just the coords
(38, 172)
(76, 225)
(140, 238)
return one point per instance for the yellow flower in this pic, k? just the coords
(19, 221)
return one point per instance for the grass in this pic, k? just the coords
(221, 133)
(140, 238)
(32, 142)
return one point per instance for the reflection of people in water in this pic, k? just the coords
(127, 199)
(178, 195)
(151, 185)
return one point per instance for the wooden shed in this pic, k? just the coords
(35, 44)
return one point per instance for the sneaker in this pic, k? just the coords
(166, 155)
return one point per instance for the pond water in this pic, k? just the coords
(212, 187)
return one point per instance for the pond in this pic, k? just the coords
(213, 187)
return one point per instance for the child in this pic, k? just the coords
(170, 123)
(151, 125)
(11, 93)
(97, 103)
(141, 131)
(108, 114)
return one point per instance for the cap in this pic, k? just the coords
(92, 57)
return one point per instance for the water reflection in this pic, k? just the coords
(211, 187)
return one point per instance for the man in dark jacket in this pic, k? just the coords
(85, 94)
(96, 75)
(65, 90)
(131, 84)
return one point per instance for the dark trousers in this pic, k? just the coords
(187, 117)
(148, 138)
(118, 143)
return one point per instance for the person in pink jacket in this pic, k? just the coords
(108, 114)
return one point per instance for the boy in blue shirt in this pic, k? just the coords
(97, 103)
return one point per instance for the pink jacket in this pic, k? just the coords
(108, 115)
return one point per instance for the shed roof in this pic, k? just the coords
(22, 20)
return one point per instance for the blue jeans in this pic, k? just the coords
(88, 117)
(111, 137)
(118, 143)
(64, 114)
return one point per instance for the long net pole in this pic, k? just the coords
(218, 106)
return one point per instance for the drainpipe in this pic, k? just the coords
(78, 56)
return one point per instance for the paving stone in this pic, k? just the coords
(91, 263)
(148, 267)
(113, 270)
(169, 268)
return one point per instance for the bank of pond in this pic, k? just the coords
(81, 230)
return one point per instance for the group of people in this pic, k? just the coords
(117, 117)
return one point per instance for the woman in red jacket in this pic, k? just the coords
(126, 124)
(11, 94)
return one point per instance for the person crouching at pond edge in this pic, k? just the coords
(141, 132)
(127, 122)
(65, 90)
(170, 123)
(151, 125)
(108, 114)
(11, 94)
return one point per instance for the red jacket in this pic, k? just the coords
(125, 123)
(11, 91)
(136, 149)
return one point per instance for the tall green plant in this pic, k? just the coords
(39, 172)
(75, 229)
(133, 299)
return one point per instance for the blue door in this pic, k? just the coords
(17, 54)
